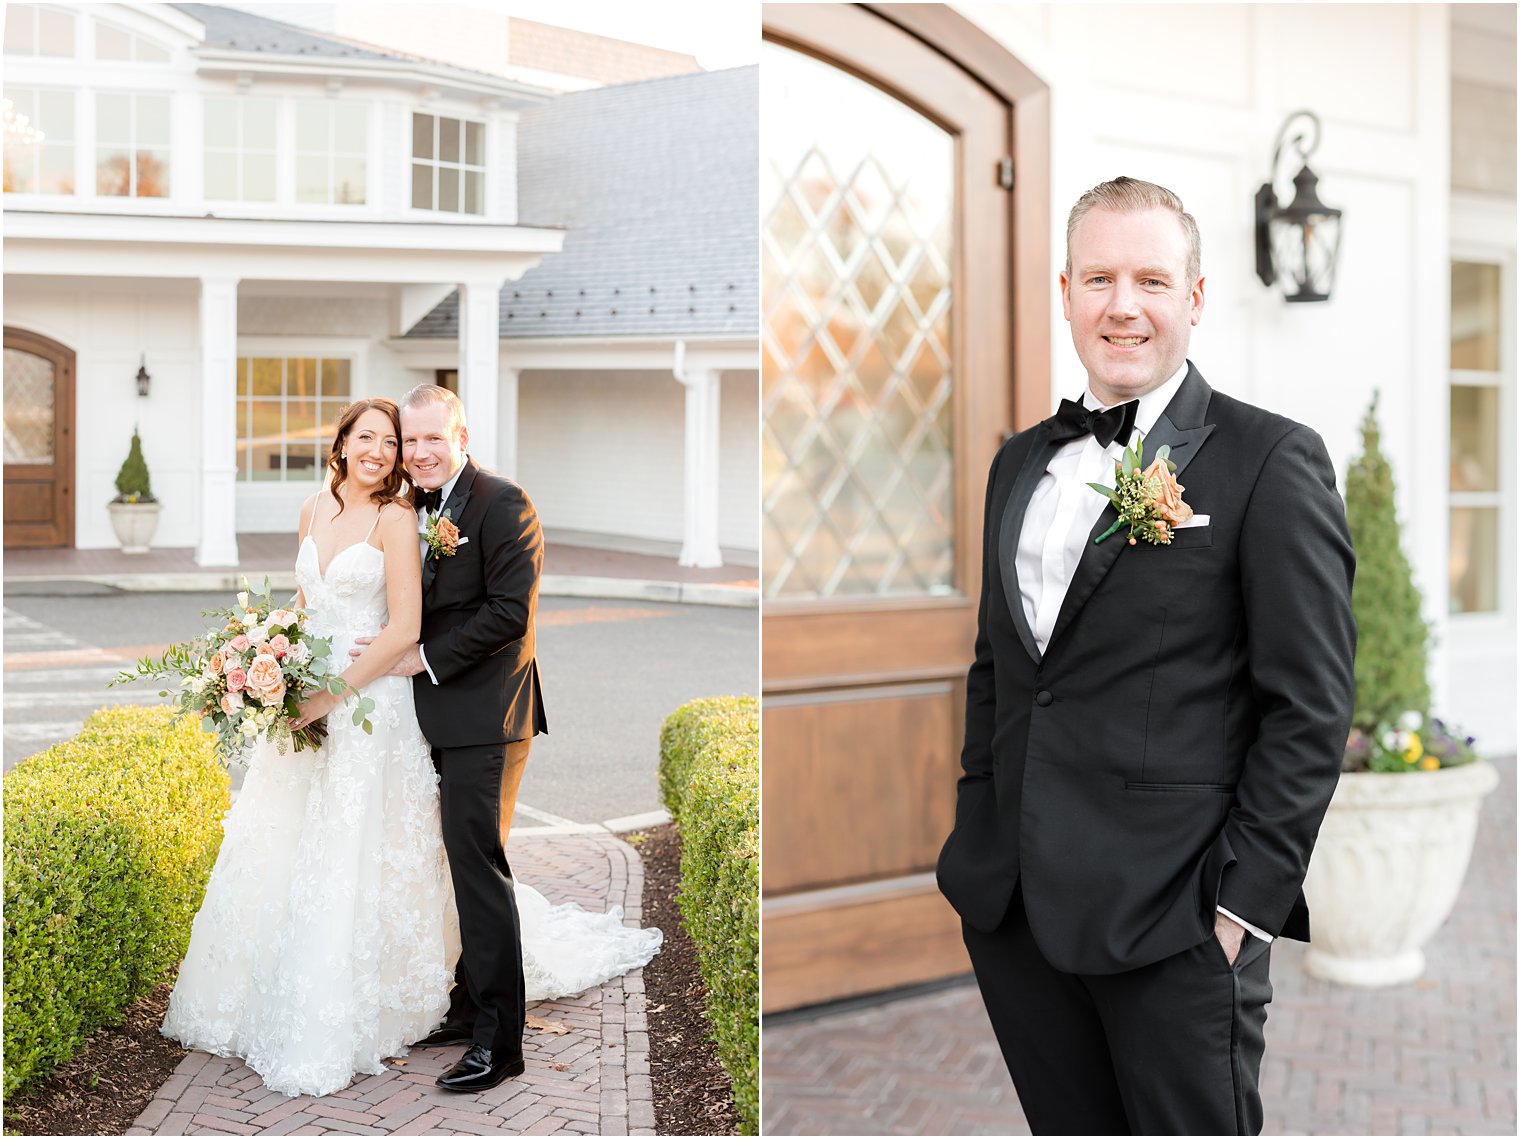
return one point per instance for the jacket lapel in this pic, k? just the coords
(458, 498)
(1035, 462)
(1182, 428)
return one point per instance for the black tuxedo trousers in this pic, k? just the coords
(1172, 1048)
(487, 997)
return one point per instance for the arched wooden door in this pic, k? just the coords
(902, 338)
(39, 441)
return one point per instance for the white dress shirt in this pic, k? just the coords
(1061, 514)
(423, 518)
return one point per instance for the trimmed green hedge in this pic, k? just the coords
(109, 839)
(710, 781)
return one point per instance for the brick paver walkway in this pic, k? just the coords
(593, 1080)
(1433, 1057)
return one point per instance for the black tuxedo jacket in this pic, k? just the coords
(1176, 745)
(478, 609)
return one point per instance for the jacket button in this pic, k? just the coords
(1043, 698)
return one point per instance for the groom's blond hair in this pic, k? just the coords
(1130, 195)
(424, 394)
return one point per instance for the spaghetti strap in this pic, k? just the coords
(375, 523)
(312, 521)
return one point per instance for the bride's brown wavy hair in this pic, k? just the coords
(394, 487)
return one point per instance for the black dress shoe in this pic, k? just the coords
(445, 1034)
(477, 1071)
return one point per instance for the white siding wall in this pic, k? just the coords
(112, 328)
(601, 451)
(1192, 96)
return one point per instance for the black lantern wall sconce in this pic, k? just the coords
(1298, 243)
(143, 379)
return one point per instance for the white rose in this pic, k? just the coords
(1411, 721)
(301, 653)
(242, 600)
(258, 634)
(249, 727)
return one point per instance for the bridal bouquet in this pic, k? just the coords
(245, 677)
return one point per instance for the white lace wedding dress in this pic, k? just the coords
(327, 939)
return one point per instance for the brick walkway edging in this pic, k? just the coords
(594, 1080)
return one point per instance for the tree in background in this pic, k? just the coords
(1392, 636)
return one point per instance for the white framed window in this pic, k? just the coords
(239, 142)
(332, 152)
(1483, 458)
(35, 29)
(132, 135)
(39, 141)
(448, 164)
(119, 45)
(287, 409)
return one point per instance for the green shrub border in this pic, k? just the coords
(710, 781)
(109, 840)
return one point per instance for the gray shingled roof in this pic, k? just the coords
(656, 183)
(232, 29)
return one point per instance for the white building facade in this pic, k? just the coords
(256, 216)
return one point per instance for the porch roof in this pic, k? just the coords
(99, 244)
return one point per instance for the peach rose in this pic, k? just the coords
(1169, 504)
(237, 680)
(264, 673)
(448, 536)
(231, 702)
(218, 659)
(279, 644)
(241, 642)
(274, 696)
(284, 618)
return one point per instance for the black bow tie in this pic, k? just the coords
(429, 499)
(1072, 421)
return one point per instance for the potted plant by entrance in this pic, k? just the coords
(1398, 835)
(134, 510)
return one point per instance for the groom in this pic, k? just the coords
(1153, 732)
(478, 704)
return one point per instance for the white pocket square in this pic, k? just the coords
(1195, 520)
(463, 540)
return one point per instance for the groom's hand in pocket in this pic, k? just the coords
(1230, 935)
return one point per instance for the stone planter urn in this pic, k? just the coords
(134, 523)
(1387, 869)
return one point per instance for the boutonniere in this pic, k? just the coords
(442, 536)
(1149, 500)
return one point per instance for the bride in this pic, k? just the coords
(328, 936)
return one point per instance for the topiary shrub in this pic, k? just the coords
(1392, 638)
(132, 484)
(710, 780)
(109, 839)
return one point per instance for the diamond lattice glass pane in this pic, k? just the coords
(857, 456)
(28, 408)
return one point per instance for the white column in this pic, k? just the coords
(480, 366)
(218, 426)
(699, 544)
(506, 441)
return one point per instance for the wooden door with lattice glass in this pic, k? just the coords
(887, 355)
(39, 441)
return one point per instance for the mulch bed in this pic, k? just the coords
(691, 1089)
(104, 1089)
